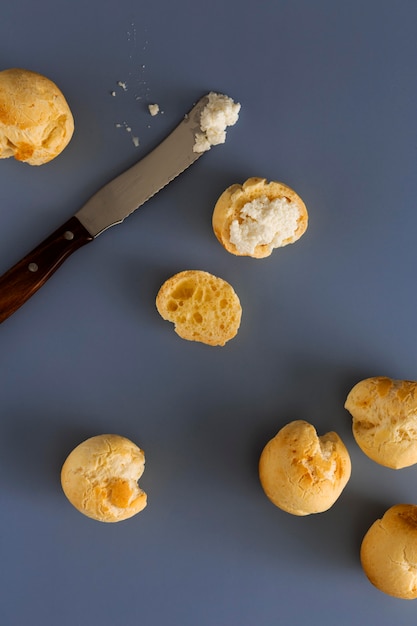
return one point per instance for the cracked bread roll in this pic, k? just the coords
(255, 218)
(384, 420)
(36, 123)
(302, 473)
(202, 307)
(389, 552)
(100, 478)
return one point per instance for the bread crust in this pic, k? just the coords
(302, 473)
(203, 307)
(389, 552)
(384, 420)
(231, 202)
(36, 122)
(99, 478)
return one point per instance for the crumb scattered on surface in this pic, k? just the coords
(128, 129)
(153, 109)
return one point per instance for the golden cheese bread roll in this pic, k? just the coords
(255, 218)
(202, 307)
(100, 478)
(302, 473)
(389, 552)
(36, 123)
(384, 420)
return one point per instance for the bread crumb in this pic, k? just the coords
(122, 84)
(128, 129)
(219, 113)
(153, 109)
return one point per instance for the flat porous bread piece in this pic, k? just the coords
(255, 218)
(302, 473)
(100, 478)
(202, 307)
(384, 420)
(36, 123)
(389, 552)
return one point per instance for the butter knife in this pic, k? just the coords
(107, 207)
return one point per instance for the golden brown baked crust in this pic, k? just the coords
(384, 423)
(36, 123)
(228, 211)
(203, 307)
(99, 478)
(302, 473)
(389, 552)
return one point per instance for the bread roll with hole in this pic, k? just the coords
(100, 478)
(384, 420)
(389, 552)
(36, 123)
(202, 307)
(302, 473)
(255, 218)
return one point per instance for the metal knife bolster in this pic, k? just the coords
(128, 191)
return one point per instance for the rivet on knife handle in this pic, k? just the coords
(22, 280)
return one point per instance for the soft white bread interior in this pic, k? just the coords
(302, 473)
(202, 307)
(384, 420)
(100, 478)
(255, 218)
(389, 552)
(36, 123)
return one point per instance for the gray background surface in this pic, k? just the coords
(329, 99)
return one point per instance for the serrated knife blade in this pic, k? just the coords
(107, 207)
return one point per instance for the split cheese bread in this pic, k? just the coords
(202, 307)
(302, 473)
(100, 478)
(36, 123)
(388, 552)
(255, 218)
(384, 420)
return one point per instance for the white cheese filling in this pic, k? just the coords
(219, 113)
(264, 222)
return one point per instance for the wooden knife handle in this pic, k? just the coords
(22, 280)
